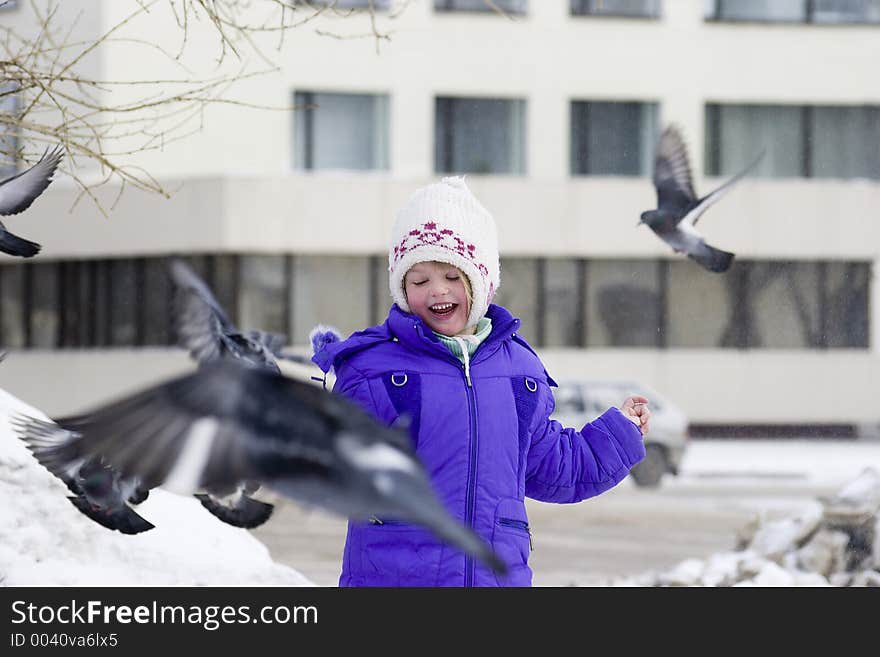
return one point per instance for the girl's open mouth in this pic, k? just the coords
(443, 309)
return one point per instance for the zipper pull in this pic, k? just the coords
(467, 376)
(375, 521)
(531, 545)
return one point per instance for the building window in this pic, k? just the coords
(799, 141)
(700, 304)
(43, 288)
(625, 303)
(13, 305)
(519, 294)
(479, 135)
(844, 302)
(562, 302)
(335, 291)
(508, 6)
(612, 138)
(794, 11)
(263, 293)
(634, 8)
(340, 131)
(122, 289)
(844, 142)
(561, 281)
(380, 293)
(770, 304)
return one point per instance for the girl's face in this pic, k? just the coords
(435, 291)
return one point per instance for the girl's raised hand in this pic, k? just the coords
(636, 409)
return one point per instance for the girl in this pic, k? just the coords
(476, 398)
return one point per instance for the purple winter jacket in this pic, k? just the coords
(486, 446)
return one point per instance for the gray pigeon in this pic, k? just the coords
(16, 195)
(97, 490)
(226, 423)
(204, 329)
(679, 207)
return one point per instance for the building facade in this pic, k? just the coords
(552, 111)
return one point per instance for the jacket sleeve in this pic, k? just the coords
(566, 465)
(351, 383)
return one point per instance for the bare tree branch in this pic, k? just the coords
(48, 95)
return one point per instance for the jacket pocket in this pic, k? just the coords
(511, 540)
(395, 553)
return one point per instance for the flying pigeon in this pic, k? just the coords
(679, 208)
(98, 491)
(227, 423)
(204, 329)
(16, 195)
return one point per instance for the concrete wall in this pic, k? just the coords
(311, 213)
(711, 386)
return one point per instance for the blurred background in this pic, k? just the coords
(552, 109)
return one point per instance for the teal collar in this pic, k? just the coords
(484, 328)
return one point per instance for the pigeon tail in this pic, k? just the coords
(124, 520)
(713, 259)
(14, 245)
(322, 335)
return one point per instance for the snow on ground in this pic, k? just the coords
(46, 541)
(817, 462)
(832, 540)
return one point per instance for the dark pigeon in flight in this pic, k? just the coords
(98, 491)
(205, 330)
(227, 423)
(679, 207)
(16, 195)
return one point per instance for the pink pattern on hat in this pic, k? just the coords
(444, 238)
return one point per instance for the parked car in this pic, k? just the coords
(582, 400)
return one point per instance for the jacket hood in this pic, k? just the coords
(331, 350)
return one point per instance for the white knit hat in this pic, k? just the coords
(446, 223)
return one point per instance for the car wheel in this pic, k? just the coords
(649, 471)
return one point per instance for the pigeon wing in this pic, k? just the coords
(208, 430)
(19, 191)
(51, 446)
(672, 173)
(716, 194)
(199, 321)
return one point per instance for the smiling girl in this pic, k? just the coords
(477, 400)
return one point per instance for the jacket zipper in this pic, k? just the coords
(521, 525)
(472, 477)
(469, 569)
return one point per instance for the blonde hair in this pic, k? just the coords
(468, 291)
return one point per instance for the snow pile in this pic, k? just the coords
(45, 541)
(833, 541)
